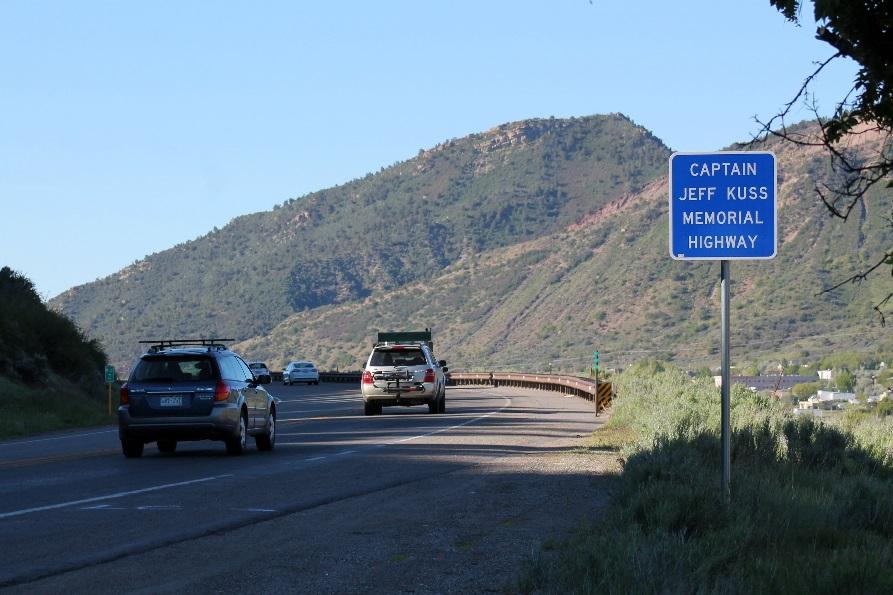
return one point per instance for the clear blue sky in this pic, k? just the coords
(128, 127)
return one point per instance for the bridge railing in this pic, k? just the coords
(340, 377)
(276, 376)
(568, 385)
(602, 394)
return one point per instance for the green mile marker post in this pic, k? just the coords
(109, 379)
(595, 369)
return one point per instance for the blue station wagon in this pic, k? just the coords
(194, 389)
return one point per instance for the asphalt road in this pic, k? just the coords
(402, 502)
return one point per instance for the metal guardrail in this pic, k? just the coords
(326, 376)
(582, 387)
(568, 385)
(340, 377)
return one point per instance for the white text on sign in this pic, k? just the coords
(723, 205)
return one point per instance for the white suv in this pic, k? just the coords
(403, 373)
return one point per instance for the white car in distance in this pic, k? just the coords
(258, 368)
(300, 371)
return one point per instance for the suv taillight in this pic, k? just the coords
(367, 377)
(221, 391)
(125, 395)
(429, 375)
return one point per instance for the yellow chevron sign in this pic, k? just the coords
(604, 395)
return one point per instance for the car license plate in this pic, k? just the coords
(171, 402)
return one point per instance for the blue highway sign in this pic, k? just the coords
(722, 206)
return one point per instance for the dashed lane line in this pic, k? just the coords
(471, 420)
(13, 464)
(238, 523)
(14, 513)
(165, 486)
(66, 436)
(354, 408)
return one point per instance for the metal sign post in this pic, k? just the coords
(725, 433)
(723, 207)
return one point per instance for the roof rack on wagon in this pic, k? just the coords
(157, 345)
(404, 338)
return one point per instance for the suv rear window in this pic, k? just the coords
(185, 368)
(398, 357)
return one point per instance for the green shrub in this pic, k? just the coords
(809, 511)
(50, 373)
(805, 390)
(35, 341)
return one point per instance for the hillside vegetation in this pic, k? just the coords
(50, 373)
(403, 225)
(810, 510)
(525, 247)
(608, 283)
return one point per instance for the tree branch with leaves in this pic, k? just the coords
(861, 30)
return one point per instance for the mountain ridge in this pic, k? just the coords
(535, 242)
(515, 182)
(587, 287)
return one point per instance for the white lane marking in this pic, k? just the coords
(109, 507)
(109, 496)
(508, 402)
(332, 399)
(354, 408)
(341, 405)
(16, 443)
(365, 447)
(4, 515)
(360, 418)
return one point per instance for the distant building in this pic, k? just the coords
(833, 395)
(825, 374)
(828, 399)
(767, 382)
(825, 402)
